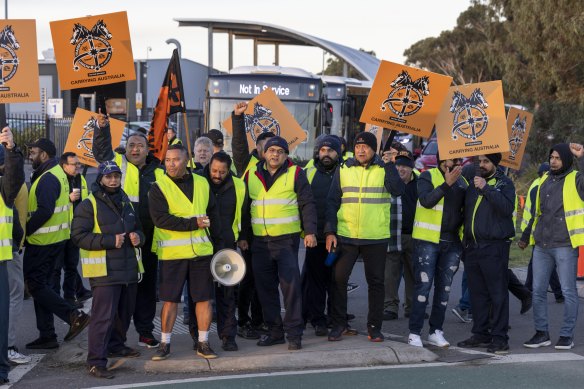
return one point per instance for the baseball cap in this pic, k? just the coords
(216, 137)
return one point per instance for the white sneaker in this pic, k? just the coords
(17, 358)
(437, 339)
(415, 340)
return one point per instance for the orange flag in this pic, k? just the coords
(170, 101)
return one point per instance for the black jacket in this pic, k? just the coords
(321, 184)
(306, 205)
(161, 217)
(114, 216)
(454, 196)
(10, 184)
(102, 151)
(47, 192)
(392, 182)
(239, 146)
(493, 220)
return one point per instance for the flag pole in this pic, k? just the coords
(187, 133)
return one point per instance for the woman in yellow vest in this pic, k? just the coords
(108, 232)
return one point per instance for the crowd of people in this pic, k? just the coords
(148, 229)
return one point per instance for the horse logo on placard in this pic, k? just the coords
(470, 119)
(261, 121)
(92, 49)
(407, 97)
(85, 143)
(8, 58)
(517, 133)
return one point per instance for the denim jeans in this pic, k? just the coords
(433, 263)
(565, 259)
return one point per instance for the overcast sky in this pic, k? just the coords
(387, 27)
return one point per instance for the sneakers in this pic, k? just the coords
(498, 348)
(247, 332)
(294, 345)
(126, 352)
(437, 339)
(351, 287)
(415, 340)
(564, 343)
(227, 344)
(162, 353)
(268, 340)
(540, 339)
(43, 344)
(148, 341)
(374, 334)
(526, 305)
(100, 372)
(79, 320)
(474, 342)
(389, 315)
(16, 358)
(337, 333)
(320, 330)
(204, 350)
(462, 314)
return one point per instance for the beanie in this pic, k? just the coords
(366, 138)
(330, 141)
(495, 158)
(276, 141)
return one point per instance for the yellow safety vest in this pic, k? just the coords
(93, 262)
(6, 222)
(527, 210)
(274, 212)
(309, 164)
(131, 177)
(239, 197)
(310, 173)
(365, 203)
(57, 228)
(175, 141)
(183, 244)
(573, 210)
(428, 221)
(252, 162)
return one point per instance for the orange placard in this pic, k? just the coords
(405, 99)
(19, 69)
(518, 126)
(472, 121)
(80, 140)
(266, 112)
(94, 50)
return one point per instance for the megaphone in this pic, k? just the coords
(228, 267)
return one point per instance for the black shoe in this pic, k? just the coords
(336, 334)
(100, 372)
(350, 317)
(474, 342)
(564, 343)
(79, 320)
(261, 329)
(268, 340)
(126, 352)
(498, 348)
(4, 381)
(560, 299)
(389, 315)
(162, 353)
(351, 287)
(204, 350)
(148, 341)
(75, 303)
(247, 332)
(374, 334)
(540, 339)
(320, 330)
(526, 305)
(43, 344)
(228, 344)
(294, 345)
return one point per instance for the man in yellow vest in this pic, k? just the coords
(183, 210)
(47, 230)
(10, 184)
(73, 290)
(249, 310)
(230, 195)
(437, 247)
(358, 219)
(557, 233)
(172, 139)
(139, 171)
(488, 230)
(281, 200)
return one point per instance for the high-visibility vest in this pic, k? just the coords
(348, 154)
(84, 194)
(183, 244)
(57, 228)
(310, 173)
(309, 164)
(491, 182)
(93, 262)
(252, 163)
(175, 141)
(527, 209)
(573, 210)
(131, 177)
(428, 221)
(6, 223)
(239, 197)
(274, 212)
(365, 204)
